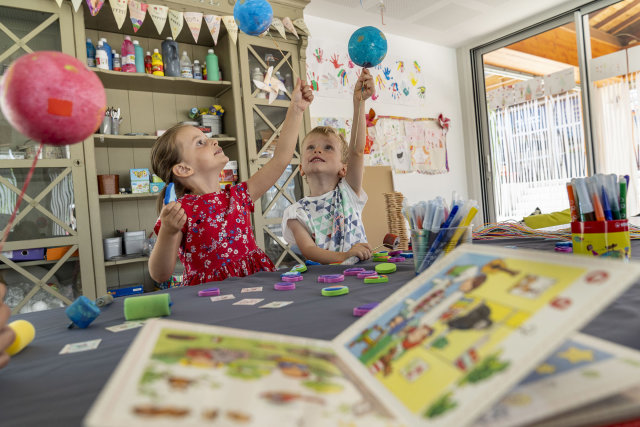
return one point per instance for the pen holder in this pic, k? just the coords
(433, 244)
(602, 238)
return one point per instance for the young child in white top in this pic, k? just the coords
(327, 225)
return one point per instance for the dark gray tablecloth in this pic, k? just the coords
(42, 388)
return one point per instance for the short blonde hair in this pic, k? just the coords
(329, 131)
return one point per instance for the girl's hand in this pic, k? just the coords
(361, 250)
(172, 218)
(365, 87)
(302, 96)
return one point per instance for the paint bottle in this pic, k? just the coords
(102, 60)
(107, 49)
(197, 70)
(148, 63)
(170, 58)
(213, 71)
(117, 65)
(186, 69)
(139, 56)
(128, 52)
(91, 54)
(156, 63)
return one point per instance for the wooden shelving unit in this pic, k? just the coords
(116, 197)
(145, 141)
(126, 261)
(39, 262)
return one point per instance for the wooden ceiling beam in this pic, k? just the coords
(624, 26)
(619, 13)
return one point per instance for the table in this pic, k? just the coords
(41, 387)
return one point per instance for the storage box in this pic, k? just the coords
(57, 253)
(35, 254)
(156, 187)
(130, 290)
(139, 174)
(112, 247)
(134, 242)
(602, 238)
(138, 187)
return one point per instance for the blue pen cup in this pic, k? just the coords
(427, 244)
(82, 312)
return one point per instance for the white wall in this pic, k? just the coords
(443, 96)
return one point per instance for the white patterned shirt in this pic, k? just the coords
(334, 219)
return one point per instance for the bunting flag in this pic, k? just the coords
(76, 4)
(94, 6)
(194, 22)
(213, 23)
(277, 24)
(59, 3)
(176, 21)
(158, 16)
(232, 27)
(137, 12)
(286, 21)
(119, 9)
(302, 25)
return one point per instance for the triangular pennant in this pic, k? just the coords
(59, 3)
(94, 6)
(137, 12)
(213, 23)
(76, 4)
(176, 21)
(277, 24)
(119, 9)
(302, 25)
(286, 21)
(158, 16)
(194, 22)
(232, 27)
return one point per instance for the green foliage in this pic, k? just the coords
(443, 404)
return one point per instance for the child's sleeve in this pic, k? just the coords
(355, 200)
(241, 194)
(294, 211)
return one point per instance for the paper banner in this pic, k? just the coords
(158, 16)
(277, 24)
(213, 23)
(137, 12)
(59, 3)
(119, 9)
(194, 22)
(231, 26)
(302, 25)
(76, 4)
(176, 21)
(286, 21)
(94, 6)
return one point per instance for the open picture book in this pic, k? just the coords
(444, 349)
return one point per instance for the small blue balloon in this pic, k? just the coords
(253, 16)
(367, 47)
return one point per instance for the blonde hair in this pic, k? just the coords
(329, 131)
(165, 154)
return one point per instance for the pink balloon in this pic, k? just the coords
(53, 98)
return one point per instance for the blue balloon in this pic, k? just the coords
(253, 16)
(367, 47)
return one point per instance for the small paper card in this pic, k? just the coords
(222, 297)
(276, 304)
(249, 301)
(77, 347)
(256, 289)
(125, 326)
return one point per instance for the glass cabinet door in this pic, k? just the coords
(264, 121)
(40, 261)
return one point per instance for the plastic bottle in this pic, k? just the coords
(128, 53)
(197, 70)
(156, 63)
(213, 71)
(102, 59)
(117, 64)
(107, 49)
(170, 58)
(91, 54)
(204, 70)
(186, 70)
(148, 63)
(139, 54)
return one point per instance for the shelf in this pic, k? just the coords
(126, 261)
(144, 141)
(150, 83)
(39, 262)
(120, 197)
(42, 163)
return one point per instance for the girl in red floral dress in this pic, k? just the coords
(209, 227)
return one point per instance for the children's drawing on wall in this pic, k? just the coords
(332, 74)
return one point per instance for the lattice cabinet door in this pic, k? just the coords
(263, 124)
(47, 259)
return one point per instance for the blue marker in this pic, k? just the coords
(435, 248)
(169, 194)
(605, 206)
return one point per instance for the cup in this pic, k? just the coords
(434, 244)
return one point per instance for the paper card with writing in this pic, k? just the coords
(276, 304)
(213, 23)
(158, 15)
(222, 297)
(125, 326)
(232, 27)
(176, 21)
(77, 347)
(119, 9)
(76, 4)
(286, 21)
(277, 24)
(137, 12)
(95, 6)
(255, 289)
(249, 301)
(302, 25)
(194, 22)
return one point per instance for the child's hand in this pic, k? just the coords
(302, 96)
(173, 217)
(364, 87)
(361, 250)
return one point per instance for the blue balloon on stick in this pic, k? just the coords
(253, 16)
(367, 47)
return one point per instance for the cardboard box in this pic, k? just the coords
(139, 175)
(156, 187)
(130, 290)
(140, 187)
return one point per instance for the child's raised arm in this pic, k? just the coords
(162, 260)
(363, 90)
(264, 179)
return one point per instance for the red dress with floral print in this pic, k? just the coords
(217, 239)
